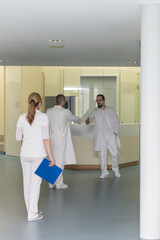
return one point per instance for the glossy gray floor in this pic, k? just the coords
(90, 209)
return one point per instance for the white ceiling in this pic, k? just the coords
(94, 32)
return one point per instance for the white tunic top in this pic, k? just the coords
(61, 140)
(106, 131)
(112, 124)
(32, 135)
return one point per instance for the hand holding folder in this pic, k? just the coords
(50, 174)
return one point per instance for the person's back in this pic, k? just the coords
(58, 118)
(32, 145)
(61, 141)
(33, 131)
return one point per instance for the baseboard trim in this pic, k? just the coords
(96, 167)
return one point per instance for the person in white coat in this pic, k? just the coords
(60, 135)
(33, 131)
(106, 135)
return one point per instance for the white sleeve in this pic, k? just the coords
(45, 120)
(92, 116)
(45, 132)
(71, 117)
(45, 127)
(116, 123)
(19, 132)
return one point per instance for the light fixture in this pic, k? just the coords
(134, 62)
(2, 61)
(55, 41)
(55, 46)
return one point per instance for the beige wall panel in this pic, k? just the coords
(13, 108)
(2, 100)
(139, 98)
(84, 151)
(92, 71)
(71, 78)
(2, 147)
(129, 96)
(31, 82)
(129, 81)
(131, 69)
(50, 69)
(111, 71)
(117, 69)
(129, 151)
(71, 81)
(53, 82)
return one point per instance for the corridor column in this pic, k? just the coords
(150, 121)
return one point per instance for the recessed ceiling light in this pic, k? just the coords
(55, 41)
(55, 46)
(2, 61)
(134, 62)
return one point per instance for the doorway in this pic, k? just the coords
(90, 87)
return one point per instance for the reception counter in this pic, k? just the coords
(82, 136)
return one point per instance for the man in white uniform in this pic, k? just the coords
(60, 135)
(105, 135)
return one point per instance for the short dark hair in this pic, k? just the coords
(101, 95)
(59, 99)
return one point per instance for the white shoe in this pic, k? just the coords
(51, 186)
(61, 186)
(39, 217)
(104, 175)
(116, 172)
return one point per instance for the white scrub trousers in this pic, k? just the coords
(109, 143)
(31, 184)
(59, 179)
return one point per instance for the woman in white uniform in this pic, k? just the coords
(33, 131)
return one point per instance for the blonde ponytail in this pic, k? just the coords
(33, 100)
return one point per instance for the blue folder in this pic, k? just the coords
(50, 174)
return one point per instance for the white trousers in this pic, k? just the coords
(109, 143)
(60, 178)
(31, 184)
